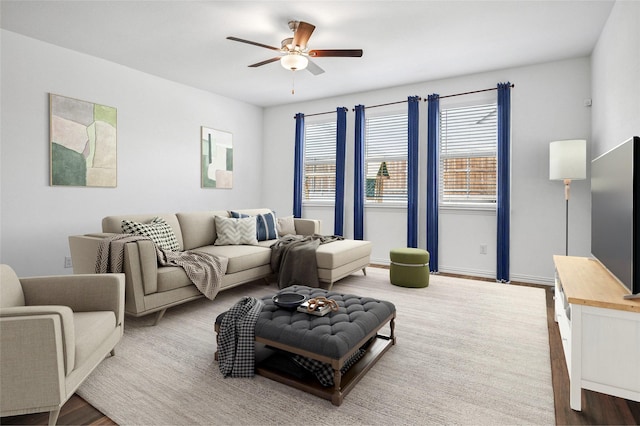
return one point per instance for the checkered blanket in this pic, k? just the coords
(203, 269)
(322, 370)
(236, 345)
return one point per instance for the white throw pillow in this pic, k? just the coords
(232, 231)
(286, 226)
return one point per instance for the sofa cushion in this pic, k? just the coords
(241, 257)
(158, 230)
(199, 228)
(172, 277)
(91, 330)
(231, 231)
(267, 243)
(338, 253)
(265, 224)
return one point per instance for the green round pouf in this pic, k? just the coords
(409, 267)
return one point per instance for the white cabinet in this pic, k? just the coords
(600, 330)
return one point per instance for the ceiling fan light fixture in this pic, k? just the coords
(295, 50)
(294, 62)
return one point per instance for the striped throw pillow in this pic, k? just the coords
(266, 225)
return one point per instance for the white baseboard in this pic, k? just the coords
(380, 261)
(469, 272)
(530, 279)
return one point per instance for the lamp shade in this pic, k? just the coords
(568, 159)
(294, 62)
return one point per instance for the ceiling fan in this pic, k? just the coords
(295, 51)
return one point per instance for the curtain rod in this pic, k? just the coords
(321, 113)
(469, 93)
(406, 100)
(387, 104)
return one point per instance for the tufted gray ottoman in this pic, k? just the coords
(332, 339)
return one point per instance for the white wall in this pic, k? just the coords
(159, 121)
(547, 104)
(615, 66)
(158, 150)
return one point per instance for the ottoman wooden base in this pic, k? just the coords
(342, 384)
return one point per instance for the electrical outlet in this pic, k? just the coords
(483, 249)
(67, 262)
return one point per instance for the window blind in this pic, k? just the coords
(468, 141)
(320, 162)
(386, 158)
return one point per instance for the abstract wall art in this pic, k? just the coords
(83, 143)
(217, 158)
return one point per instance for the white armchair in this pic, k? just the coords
(54, 331)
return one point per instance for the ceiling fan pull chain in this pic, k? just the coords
(293, 82)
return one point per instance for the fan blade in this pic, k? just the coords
(351, 53)
(253, 43)
(302, 34)
(314, 68)
(268, 61)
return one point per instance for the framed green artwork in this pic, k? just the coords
(217, 158)
(83, 143)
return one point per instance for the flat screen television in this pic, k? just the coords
(615, 213)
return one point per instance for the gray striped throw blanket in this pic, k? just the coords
(236, 346)
(203, 269)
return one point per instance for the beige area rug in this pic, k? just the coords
(467, 352)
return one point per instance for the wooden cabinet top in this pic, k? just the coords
(586, 282)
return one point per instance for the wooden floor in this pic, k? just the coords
(597, 408)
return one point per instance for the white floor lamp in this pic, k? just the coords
(567, 162)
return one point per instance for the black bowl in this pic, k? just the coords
(289, 300)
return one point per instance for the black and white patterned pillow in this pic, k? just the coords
(160, 232)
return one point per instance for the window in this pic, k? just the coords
(320, 161)
(386, 158)
(468, 143)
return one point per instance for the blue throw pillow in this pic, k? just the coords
(266, 225)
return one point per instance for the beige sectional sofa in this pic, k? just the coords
(152, 288)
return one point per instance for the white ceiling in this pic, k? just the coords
(403, 41)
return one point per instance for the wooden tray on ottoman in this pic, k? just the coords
(357, 322)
